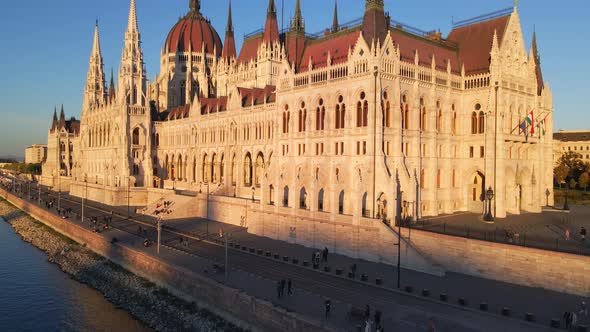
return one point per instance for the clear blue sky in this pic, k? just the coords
(46, 46)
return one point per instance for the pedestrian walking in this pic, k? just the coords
(567, 234)
(368, 325)
(326, 254)
(431, 326)
(283, 283)
(289, 287)
(328, 307)
(584, 309)
(353, 270)
(377, 318)
(279, 289)
(367, 312)
(583, 233)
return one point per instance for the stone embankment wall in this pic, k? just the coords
(556, 271)
(231, 304)
(147, 302)
(348, 235)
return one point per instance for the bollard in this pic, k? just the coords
(327, 269)
(259, 252)
(285, 258)
(244, 248)
(483, 306)
(379, 281)
(364, 277)
(409, 289)
(305, 263)
(252, 250)
(268, 254)
(556, 323)
(338, 272)
(443, 297)
(295, 261)
(506, 311)
(351, 275)
(529, 317)
(276, 256)
(425, 292)
(462, 301)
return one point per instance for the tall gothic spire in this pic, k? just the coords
(94, 90)
(54, 122)
(62, 117)
(375, 23)
(132, 24)
(297, 24)
(271, 27)
(229, 45)
(112, 88)
(132, 82)
(335, 21)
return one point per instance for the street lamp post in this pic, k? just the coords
(128, 190)
(547, 194)
(207, 210)
(489, 195)
(159, 229)
(565, 204)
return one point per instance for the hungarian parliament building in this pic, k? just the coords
(370, 119)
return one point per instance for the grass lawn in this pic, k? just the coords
(577, 197)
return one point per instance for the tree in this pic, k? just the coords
(584, 180)
(573, 184)
(561, 172)
(575, 165)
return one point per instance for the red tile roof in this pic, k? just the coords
(475, 42)
(409, 44)
(193, 30)
(179, 112)
(257, 96)
(337, 46)
(213, 105)
(249, 49)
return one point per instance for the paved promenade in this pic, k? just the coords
(257, 275)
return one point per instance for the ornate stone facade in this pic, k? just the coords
(372, 118)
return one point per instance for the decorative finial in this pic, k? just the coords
(515, 4)
(195, 5)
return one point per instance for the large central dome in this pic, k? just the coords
(193, 32)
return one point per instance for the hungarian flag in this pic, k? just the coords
(530, 121)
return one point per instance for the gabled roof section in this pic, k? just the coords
(475, 42)
(257, 96)
(336, 45)
(442, 51)
(179, 112)
(213, 105)
(249, 49)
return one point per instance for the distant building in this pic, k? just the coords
(35, 154)
(577, 141)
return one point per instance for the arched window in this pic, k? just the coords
(362, 111)
(386, 111)
(474, 123)
(364, 211)
(180, 168)
(321, 200)
(454, 121)
(182, 93)
(439, 117)
(248, 170)
(422, 115)
(286, 196)
(320, 115)
(204, 169)
(340, 113)
(302, 198)
(422, 179)
(438, 179)
(286, 118)
(482, 123)
(259, 170)
(214, 168)
(302, 117)
(341, 202)
(136, 136)
(222, 168)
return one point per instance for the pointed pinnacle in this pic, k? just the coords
(230, 24)
(96, 42)
(335, 22)
(132, 24)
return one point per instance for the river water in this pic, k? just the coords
(36, 295)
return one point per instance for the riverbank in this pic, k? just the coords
(150, 304)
